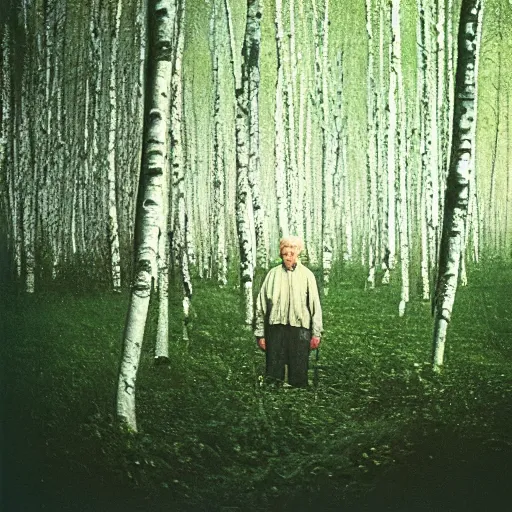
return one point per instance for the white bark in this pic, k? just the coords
(327, 235)
(508, 192)
(392, 164)
(243, 193)
(308, 189)
(252, 46)
(115, 256)
(27, 169)
(150, 209)
(371, 150)
(162, 331)
(180, 222)
(382, 120)
(282, 189)
(457, 190)
(431, 106)
(425, 279)
(96, 163)
(403, 226)
(218, 204)
(280, 173)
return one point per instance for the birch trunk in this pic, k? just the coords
(403, 225)
(327, 235)
(5, 125)
(441, 105)
(431, 106)
(457, 190)
(180, 224)
(371, 150)
(308, 189)
(113, 223)
(491, 242)
(252, 58)
(508, 193)
(163, 257)
(282, 189)
(150, 204)
(243, 195)
(218, 205)
(391, 163)
(473, 219)
(289, 78)
(27, 164)
(96, 226)
(382, 143)
(7, 140)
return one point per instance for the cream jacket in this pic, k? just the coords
(289, 297)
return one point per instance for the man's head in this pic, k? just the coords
(289, 249)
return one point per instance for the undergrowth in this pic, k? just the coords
(212, 436)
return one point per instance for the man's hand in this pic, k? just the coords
(314, 343)
(262, 344)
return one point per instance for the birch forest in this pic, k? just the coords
(154, 152)
(327, 121)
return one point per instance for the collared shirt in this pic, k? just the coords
(289, 297)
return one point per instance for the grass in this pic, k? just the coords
(212, 437)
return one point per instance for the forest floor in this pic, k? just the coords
(376, 429)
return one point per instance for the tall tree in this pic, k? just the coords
(218, 207)
(242, 131)
(113, 223)
(403, 223)
(251, 55)
(327, 228)
(180, 219)
(282, 187)
(371, 164)
(457, 188)
(150, 202)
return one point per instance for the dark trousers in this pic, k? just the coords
(287, 345)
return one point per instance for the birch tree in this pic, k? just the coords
(218, 204)
(180, 220)
(391, 148)
(251, 55)
(457, 193)
(113, 223)
(163, 258)
(371, 167)
(242, 124)
(327, 250)
(403, 224)
(492, 213)
(282, 193)
(149, 204)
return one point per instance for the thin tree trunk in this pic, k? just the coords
(218, 204)
(403, 224)
(252, 47)
(392, 156)
(113, 222)
(150, 204)
(180, 222)
(491, 231)
(457, 190)
(371, 151)
(243, 195)
(508, 194)
(382, 143)
(283, 220)
(327, 235)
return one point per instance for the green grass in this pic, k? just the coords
(211, 437)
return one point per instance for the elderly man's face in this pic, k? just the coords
(289, 255)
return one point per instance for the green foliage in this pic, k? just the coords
(211, 435)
